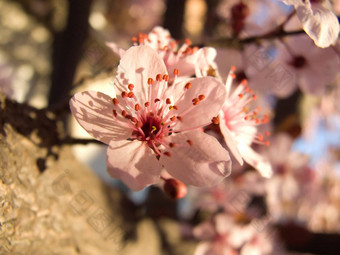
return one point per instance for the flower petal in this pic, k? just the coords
(137, 65)
(134, 163)
(200, 115)
(230, 141)
(93, 111)
(114, 47)
(205, 163)
(256, 160)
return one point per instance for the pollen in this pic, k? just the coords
(195, 101)
(166, 77)
(187, 86)
(176, 72)
(137, 107)
(158, 77)
(201, 97)
(124, 94)
(150, 81)
(147, 104)
(131, 94)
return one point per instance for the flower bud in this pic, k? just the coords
(175, 189)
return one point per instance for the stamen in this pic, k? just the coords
(158, 77)
(114, 113)
(172, 145)
(215, 120)
(124, 114)
(190, 142)
(124, 94)
(175, 107)
(188, 85)
(131, 94)
(166, 77)
(173, 118)
(147, 104)
(166, 153)
(180, 118)
(130, 87)
(176, 72)
(201, 97)
(115, 101)
(168, 101)
(137, 107)
(150, 81)
(195, 101)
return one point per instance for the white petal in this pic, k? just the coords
(205, 163)
(256, 160)
(134, 163)
(93, 111)
(137, 65)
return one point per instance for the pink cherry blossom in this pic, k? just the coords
(317, 19)
(238, 124)
(190, 60)
(150, 124)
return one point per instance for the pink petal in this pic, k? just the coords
(205, 61)
(134, 163)
(201, 114)
(256, 160)
(205, 163)
(230, 141)
(137, 65)
(93, 111)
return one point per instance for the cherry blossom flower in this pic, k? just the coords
(150, 124)
(190, 60)
(317, 19)
(238, 125)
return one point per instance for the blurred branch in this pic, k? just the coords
(68, 49)
(174, 17)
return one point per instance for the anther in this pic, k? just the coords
(150, 81)
(134, 39)
(124, 94)
(244, 82)
(115, 101)
(158, 77)
(180, 118)
(131, 94)
(254, 96)
(130, 87)
(188, 85)
(166, 77)
(267, 133)
(195, 101)
(190, 142)
(124, 114)
(173, 118)
(147, 104)
(139, 124)
(267, 143)
(187, 41)
(215, 120)
(233, 68)
(166, 153)
(201, 97)
(114, 113)
(137, 107)
(175, 107)
(176, 72)
(172, 145)
(168, 101)
(171, 107)
(157, 100)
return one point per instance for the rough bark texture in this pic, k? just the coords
(66, 208)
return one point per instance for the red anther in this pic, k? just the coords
(254, 96)
(188, 85)
(134, 39)
(267, 133)
(173, 118)
(240, 95)
(158, 77)
(190, 142)
(233, 68)
(147, 104)
(201, 97)
(246, 117)
(168, 101)
(150, 81)
(176, 72)
(172, 145)
(115, 101)
(124, 94)
(133, 119)
(166, 153)
(233, 76)
(254, 113)
(180, 118)
(257, 121)
(157, 100)
(195, 101)
(173, 44)
(175, 189)
(130, 87)
(131, 94)
(260, 137)
(124, 114)
(215, 120)
(267, 143)
(175, 107)
(137, 107)
(187, 41)
(247, 89)
(244, 82)
(139, 124)
(114, 113)
(166, 77)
